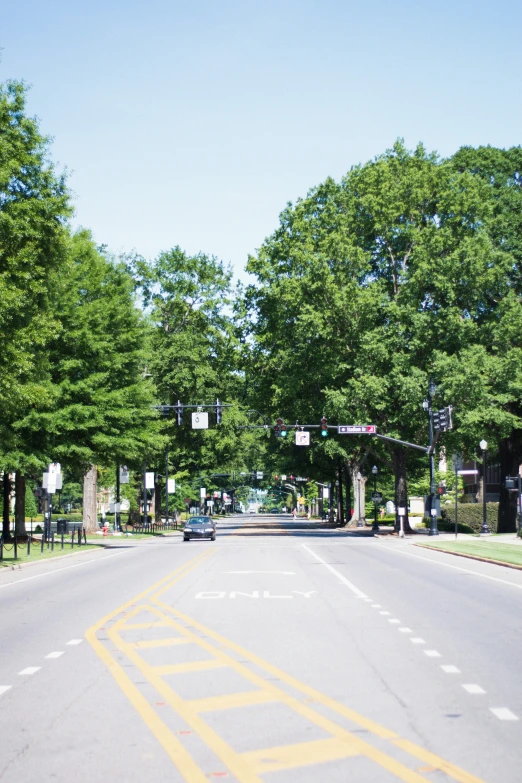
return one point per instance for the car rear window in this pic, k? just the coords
(198, 521)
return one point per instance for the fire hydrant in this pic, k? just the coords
(105, 529)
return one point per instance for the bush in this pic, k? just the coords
(447, 526)
(470, 515)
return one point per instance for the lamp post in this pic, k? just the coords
(484, 530)
(375, 526)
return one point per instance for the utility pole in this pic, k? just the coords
(166, 485)
(117, 514)
(145, 519)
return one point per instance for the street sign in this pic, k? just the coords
(259, 474)
(202, 492)
(200, 420)
(302, 438)
(467, 472)
(356, 429)
(377, 497)
(283, 478)
(149, 480)
(171, 486)
(326, 493)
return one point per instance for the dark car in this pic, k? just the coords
(199, 527)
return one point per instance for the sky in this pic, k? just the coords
(195, 123)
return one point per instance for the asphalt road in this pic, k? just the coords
(280, 652)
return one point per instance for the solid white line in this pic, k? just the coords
(343, 579)
(4, 688)
(449, 668)
(448, 565)
(30, 670)
(473, 689)
(54, 654)
(75, 641)
(416, 640)
(502, 713)
(65, 568)
(405, 630)
(432, 653)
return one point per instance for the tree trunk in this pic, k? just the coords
(359, 495)
(6, 526)
(90, 518)
(19, 504)
(401, 489)
(509, 458)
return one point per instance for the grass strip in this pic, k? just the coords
(36, 555)
(511, 554)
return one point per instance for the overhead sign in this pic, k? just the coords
(302, 438)
(171, 486)
(356, 429)
(149, 480)
(200, 420)
(259, 474)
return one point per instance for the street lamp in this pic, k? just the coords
(360, 523)
(484, 530)
(375, 526)
(432, 390)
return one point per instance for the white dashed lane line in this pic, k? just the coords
(502, 713)
(56, 654)
(75, 641)
(30, 670)
(473, 689)
(4, 688)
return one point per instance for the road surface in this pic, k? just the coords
(281, 652)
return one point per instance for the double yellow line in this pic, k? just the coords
(246, 767)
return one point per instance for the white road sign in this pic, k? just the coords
(202, 492)
(149, 480)
(200, 420)
(171, 486)
(302, 438)
(356, 429)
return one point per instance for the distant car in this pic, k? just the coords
(274, 511)
(199, 527)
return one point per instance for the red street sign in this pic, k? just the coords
(356, 429)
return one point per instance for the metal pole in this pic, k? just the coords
(519, 504)
(484, 530)
(375, 525)
(456, 496)
(144, 492)
(433, 517)
(167, 485)
(117, 515)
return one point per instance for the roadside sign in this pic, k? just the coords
(202, 492)
(149, 480)
(301, 500)
(200, 420)
(302, 438)
(326, 493)
(356, 429)
(124, 474)
(377, 497)
(171, 486)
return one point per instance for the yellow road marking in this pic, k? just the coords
(246, 767)
(152, 643)
(230, 700)
(190, 666)
(298, 755)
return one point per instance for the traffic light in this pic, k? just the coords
(283, 431)
(277, 428)
(436, 420)
(179, 413)
(324, 427)
(449, 421)
(219, 412)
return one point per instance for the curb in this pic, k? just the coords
(20, 566)
(470, 557)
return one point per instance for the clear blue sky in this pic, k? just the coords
(193, 122)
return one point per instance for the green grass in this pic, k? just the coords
(9, 559)
(492, 550)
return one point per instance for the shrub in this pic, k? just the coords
(470, 515)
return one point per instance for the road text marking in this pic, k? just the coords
(342, 578)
